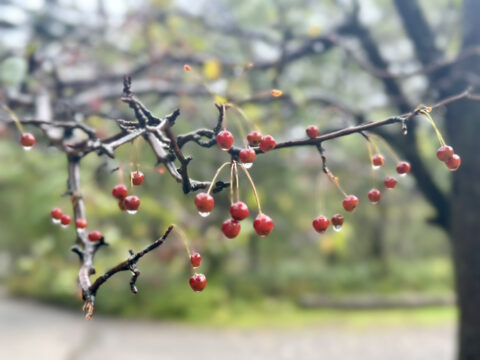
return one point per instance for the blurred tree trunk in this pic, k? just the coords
(463, 122)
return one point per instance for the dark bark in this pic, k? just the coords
(464, 130)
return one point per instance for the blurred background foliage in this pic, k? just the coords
(385, 249)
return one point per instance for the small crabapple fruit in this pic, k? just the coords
(337, 222)
(239, 211)
(56, 214)
(94, 236)
(120, 191)
(267, 143)
(198, 282)
(320, 224)
(263, 225)
(137, 178)
(231, 228)
(445, 153)
(377, 161)
(390, 182)
(195, 259)
(374, 196)
(312, 131)
(254, 138)
(81, 223)
(247, 156)
(225, 140)
(454, 162)
(204, 203)
(350, 203)
(132, 203)
(65, 220)
(27, 140)
(403, 168)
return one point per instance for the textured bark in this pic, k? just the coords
(463, 121)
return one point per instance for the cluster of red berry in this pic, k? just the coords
(197, 281)
(350, 202)
(263, 224)
(58, 217)
(130, 203)
(446, 154)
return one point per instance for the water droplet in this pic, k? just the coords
(404, 131)
(64, 226)
(375, 167)
(337, 228)
(132, 212)
(403, 175)
(195, 267)
(374, 202)
(80, 231)
(247, 165)
(56, 221)
(203, 214)
(263, 236)
(224, 149)
(27, 148)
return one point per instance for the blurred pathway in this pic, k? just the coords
(32, 331)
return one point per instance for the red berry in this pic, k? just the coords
(198, 282)
(312, 131)
(390, 182)
(254, 138)
(204, 203)
(337, 220)
(267, 143)
(378, 160)
(454, 162)
(27, 140)
(56, 214)
(247, 156)
(350, 203)
(374, 196)
(137, 178)
(225, 140)
(94, 236)
(132, 203)
(403, 168)
(239, 211)
(81, 223)
(195, 259)
(65, 220)
(120, 191)
(231, 228)
(320, 224)
(263, 225)
(445, 153)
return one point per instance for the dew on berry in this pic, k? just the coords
(204, 214)
(248, 165)
(132, 212)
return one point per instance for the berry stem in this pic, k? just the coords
(388, 147)
(14, 117)
(232, 180)
(237, 183)
(439, 135)
(244, 116)
(216, 175)
(253, 188)
(334, 179)
(370, 156)
(184, 239)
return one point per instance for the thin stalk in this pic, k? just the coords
(215, 177)
(439, 135)
(253, 188)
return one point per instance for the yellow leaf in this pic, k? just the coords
(212, 69)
